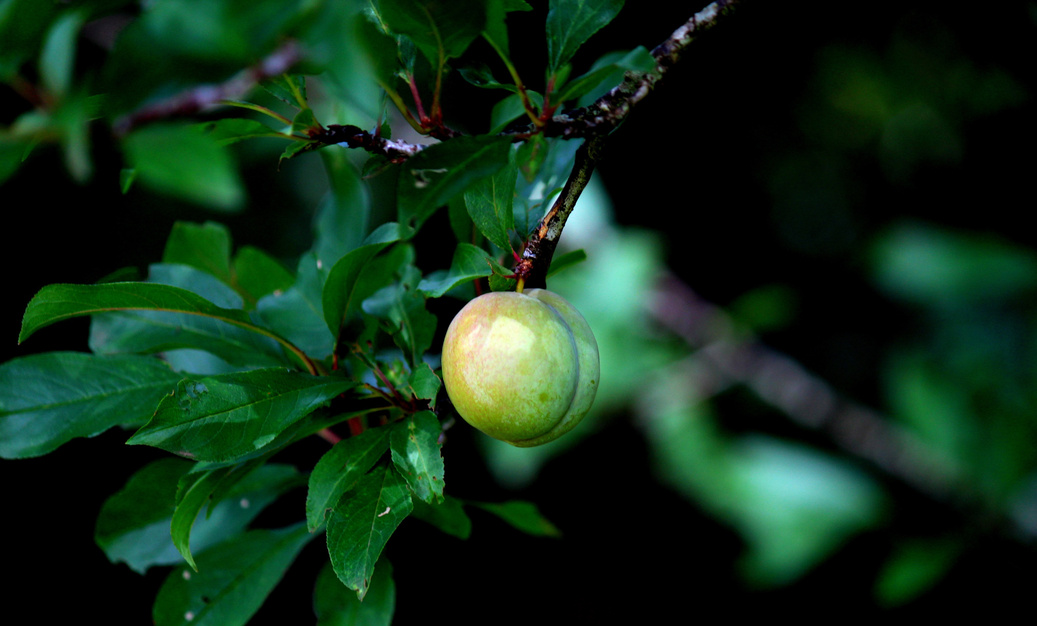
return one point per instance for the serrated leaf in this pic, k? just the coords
(469, 263)
(335, 605)
(232, 581)
(570, 23)
(48, 399)
(431, 178)
(220, 418)
(522, 515)
(417, 454)
(362, 523)
(340, 469)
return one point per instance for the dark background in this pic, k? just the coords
(691, 162)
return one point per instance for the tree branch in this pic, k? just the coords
(724, 356)
(608, 111)
(536, 257)
(193, 100)
(595, 123)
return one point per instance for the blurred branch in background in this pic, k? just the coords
(725, 356)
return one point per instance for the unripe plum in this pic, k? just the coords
(521, 367)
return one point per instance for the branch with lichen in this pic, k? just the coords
(606, 113)
(594, 123)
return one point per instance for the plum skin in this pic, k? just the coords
(521, 367)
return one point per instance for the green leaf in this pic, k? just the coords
(496, 31)
(926, 265)
(344, 213)
(360, 57)
(134, 525)
(362, 523)
(608, 72)
(469, 263)
(563, 261)
(425, 384)
(251, 273)
(230, 130)
(12, 154)
(257, 274)
(232, 581)
(448, 516)
(182, 161)
(250, 490)
(340, 469)
(417, 454)
(192, 495)
(204, 246)
(339, 298)
(23, 24)
(297, 313)
(49, 399)
(401, 307)
(522, 515)
(570, 23)
(149, 331)
(436, 174)
(438, 28)
(58, 56)
(794, 505)
(297, 148)
(489, 203)
(288, 88)
(914, 568)
(220, 418)
(55, 303)
(335, 606)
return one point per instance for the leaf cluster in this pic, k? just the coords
(225, 357)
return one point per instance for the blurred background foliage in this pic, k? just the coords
(812, 278)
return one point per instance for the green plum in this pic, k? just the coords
(521, 367)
